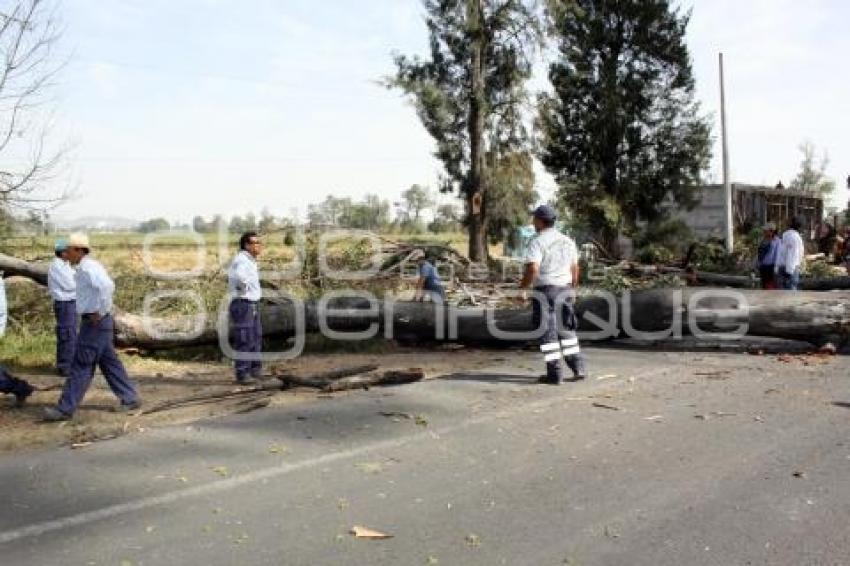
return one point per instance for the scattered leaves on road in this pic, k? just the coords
(473, 540)
(277, 449)
(370, 467)
(604, 406)
(365, 532)
(221, 470)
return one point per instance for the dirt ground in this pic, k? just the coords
(166, 381)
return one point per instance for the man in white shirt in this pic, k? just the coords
(95, 342)
(789, 261)
(3, 314)
(551, 266)
(246, 331)
(63, 290)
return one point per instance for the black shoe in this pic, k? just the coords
(578, 377)
(54, 415)
(247, 381)
(22, 396)
(547, 380)
(126, 408)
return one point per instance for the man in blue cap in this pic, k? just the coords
(63, 290)
(9, 384)
(95, 342)
(551, 267)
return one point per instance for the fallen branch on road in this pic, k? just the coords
(345, 379)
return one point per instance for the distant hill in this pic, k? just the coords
(96, 223)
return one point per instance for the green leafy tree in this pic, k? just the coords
(512, 194)
(154, 225)
(447, 218)
(200, 225)
(621, 131)
(268, 223)
(417, 199)
(812, 177)
(469, 93)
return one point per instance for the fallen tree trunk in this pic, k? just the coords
(808, 316)
(12, 266)
(706, 278)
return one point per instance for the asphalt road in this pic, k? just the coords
(671, 458)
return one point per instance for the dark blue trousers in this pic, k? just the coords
(66, 334)
(246, 334)
(12, 385)
(95, 349)
(554, 309)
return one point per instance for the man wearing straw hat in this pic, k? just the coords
(95, 346)
(63, 290)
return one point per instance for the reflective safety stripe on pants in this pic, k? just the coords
(553, 312)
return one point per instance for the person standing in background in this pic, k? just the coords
(789, 262)
(3, 314)
(246, 330)
(63, 290)
(768, 251)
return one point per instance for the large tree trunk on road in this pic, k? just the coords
(811, 317)
(808, 316)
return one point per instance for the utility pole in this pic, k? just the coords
(727, 183)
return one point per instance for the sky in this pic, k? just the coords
(177, 108)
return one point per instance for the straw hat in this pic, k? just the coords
(78, 240)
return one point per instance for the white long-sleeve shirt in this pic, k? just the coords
(243, 278)
(791, 252)
(94, 288)
(61, 283)
(3, 313)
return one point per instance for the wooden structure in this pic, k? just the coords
(753, 206)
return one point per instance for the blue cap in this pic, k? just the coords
(61, 245)
(546, 212)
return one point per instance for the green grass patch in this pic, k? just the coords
(26, 349)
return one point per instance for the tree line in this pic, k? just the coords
(618, 125)
(417, 211)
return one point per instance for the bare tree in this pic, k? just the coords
(29, 32)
